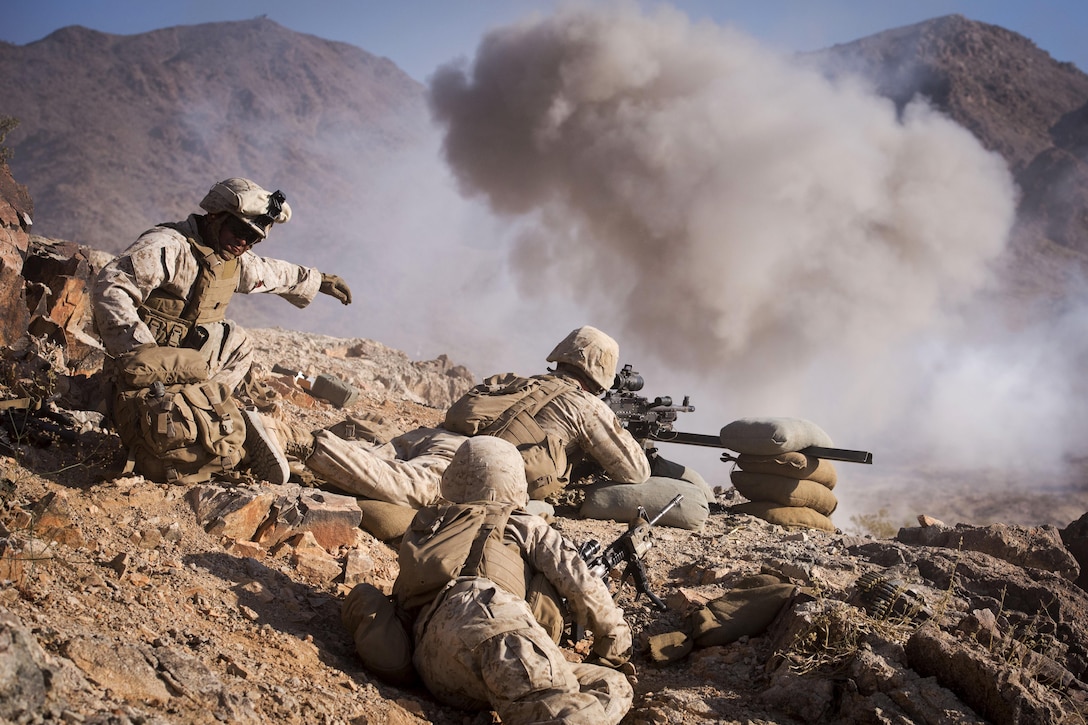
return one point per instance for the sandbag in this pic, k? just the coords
(380, 634)
(791, 465)
(771, 436)
(692, 476)
(784, 491)
(747, 610)
(385, 521)
(790, 516)
(670, 647)
(620, 502)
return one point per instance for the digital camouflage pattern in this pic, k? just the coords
(481, 646)
(590, 429)
(162, 258)
(478, 645)
(405, 471)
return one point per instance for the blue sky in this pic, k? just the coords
(419, 35)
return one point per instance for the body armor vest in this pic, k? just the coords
(506, 409)
(468, 540)
(458, 540)
(171, 318)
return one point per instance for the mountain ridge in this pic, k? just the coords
(125, 605)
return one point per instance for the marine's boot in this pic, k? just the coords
(264, 454)
(295, 441)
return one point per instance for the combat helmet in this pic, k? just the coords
(246, 200)
(591, 351)
(485, 468)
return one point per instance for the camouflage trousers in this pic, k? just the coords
(481, 648)
(229, 352)
(406, 471)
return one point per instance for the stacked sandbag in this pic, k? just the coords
(782, 485)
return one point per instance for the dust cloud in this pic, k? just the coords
(767, 240)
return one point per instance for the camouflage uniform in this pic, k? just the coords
(590, 429)
(173, 285)
(406, 470)
(478, 645)
(162, 258)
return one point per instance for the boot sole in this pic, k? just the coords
(266, 460)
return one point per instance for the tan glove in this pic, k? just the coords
(335, 287)
(613, 649)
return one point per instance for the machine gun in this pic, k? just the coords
(644, 418)
(631, 546)
(652, 420)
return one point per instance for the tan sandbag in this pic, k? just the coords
(383, 520)
(381, 639)
(771, 436)
(792, 516)
(693, 476)
(784, 491)
(670, 647)
(747, 610)
(791, 465)
(620, 502)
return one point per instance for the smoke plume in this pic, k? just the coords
(780, 243)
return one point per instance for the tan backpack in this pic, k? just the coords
(179, 427)
(505, 406)
(466, 539)
(438, 544)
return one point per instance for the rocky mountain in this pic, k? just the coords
(1017, 100)
(126, 601)
(140, 119)
(118, 131)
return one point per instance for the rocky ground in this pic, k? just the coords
(122, 602)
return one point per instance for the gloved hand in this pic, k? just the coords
(613, 649)
(335, 287)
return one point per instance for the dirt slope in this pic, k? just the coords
(119, 606)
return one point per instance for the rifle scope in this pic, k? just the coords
(628, 379)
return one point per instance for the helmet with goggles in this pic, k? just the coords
(257, 208)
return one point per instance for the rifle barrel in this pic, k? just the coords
(666, 508)
(699, 439)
